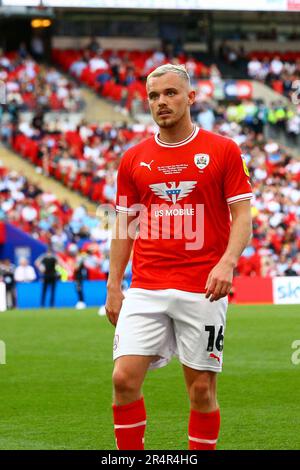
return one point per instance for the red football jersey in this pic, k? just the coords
(183, 190)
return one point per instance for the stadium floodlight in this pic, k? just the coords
(40, 23)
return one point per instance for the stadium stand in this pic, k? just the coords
(277, 69)
(120, 75)
(71, 233)
(84, 158)
(31, 85)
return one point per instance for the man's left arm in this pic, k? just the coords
(219, 281)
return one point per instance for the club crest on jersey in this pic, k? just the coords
(201, 160)
(172, 193)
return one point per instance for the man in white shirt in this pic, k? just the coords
(276, 66)
(254, 67)
(77, 67)
(24, 272)
(29, 213)
(98, 63)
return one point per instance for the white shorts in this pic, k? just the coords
(172, 322)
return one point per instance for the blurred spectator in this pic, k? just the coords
(296, 265)
(37, 47)
(232, 56)
(155, 60)
(24, 272)
(78, 66)
(7, 270)
(264, 69)
(110, 189)
(276, 67)
(137, 105)
(4, 61)
(254, 68)
(98, 62)
(206, 118)
(115, 64)
(80, 274)
(47, 265)
(59, 240)
(290, 271)
(224, 51)
(22, 50)
(94, 45)
(215, 74)
(191, 66)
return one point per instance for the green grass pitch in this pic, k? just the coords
(55, 389)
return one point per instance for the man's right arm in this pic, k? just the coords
(120, 251)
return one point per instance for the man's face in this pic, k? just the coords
(169, 99)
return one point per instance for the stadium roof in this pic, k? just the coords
(254, 5)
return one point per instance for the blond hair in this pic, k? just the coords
(167, 68)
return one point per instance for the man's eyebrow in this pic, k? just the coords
(154, 92)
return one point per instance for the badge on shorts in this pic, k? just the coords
(116, 342)
(201, 160)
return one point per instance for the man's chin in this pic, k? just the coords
(165, 123)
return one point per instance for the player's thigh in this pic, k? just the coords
(130, 371)
(199, 329)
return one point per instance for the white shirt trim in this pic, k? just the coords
(187, 140)
(125, 209)
(240, 197)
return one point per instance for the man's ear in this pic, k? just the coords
(191, 97)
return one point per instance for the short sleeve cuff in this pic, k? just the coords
(240, 197)
(125, 210)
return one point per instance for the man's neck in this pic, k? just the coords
(176, 133)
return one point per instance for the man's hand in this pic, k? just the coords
(219, 281)
(113, 304)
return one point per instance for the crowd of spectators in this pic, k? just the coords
(83, 157)
(279, 71)
(31, 85)
(120, 75)
(75, 235)
(274, 120)
(282, 73)
(231, 55)
(275, 176)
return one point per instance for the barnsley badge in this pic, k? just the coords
(201, 160)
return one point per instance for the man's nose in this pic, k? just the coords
(162, 100)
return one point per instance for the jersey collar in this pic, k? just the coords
(180, 143)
